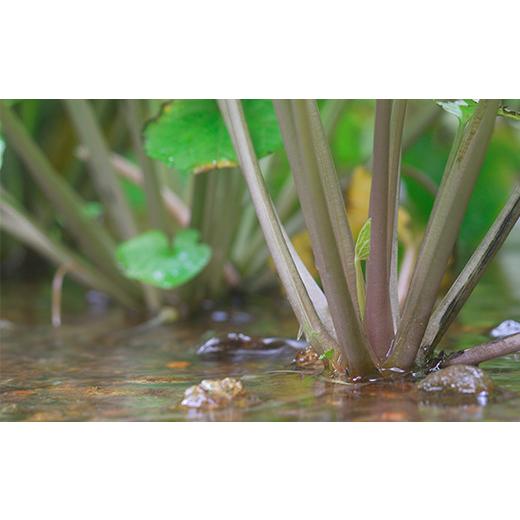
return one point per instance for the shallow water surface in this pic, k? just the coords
(100, 366)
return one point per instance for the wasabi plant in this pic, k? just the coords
(188, 231)
(374, 335)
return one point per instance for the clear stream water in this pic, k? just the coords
(99, 367)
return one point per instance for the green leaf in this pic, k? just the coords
(150, 259)
(362, 250)
(190, 135)
(328, 354)
(462, 109)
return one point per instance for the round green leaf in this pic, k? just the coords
(190, 135)
(150, 259)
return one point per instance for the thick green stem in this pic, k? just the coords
(442, 231)
(220, 221)
(448, 309)
(152, 189)
(228, 217)
(331, 241)
(299, 291)
(378, 314)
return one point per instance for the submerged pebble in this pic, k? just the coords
(506, 328)
(214, 393)
(457, 380)
(308, 359)
(236, 345)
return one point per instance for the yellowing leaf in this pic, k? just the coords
(302, 243)
(357, 199)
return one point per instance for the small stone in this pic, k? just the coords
(308, 359)
(457, 380)
(214, 393)
(506, 328)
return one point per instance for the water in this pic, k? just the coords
(99, 367)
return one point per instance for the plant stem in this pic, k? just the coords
(321, 200)
(105, 180)
(378, 314)
(297, 291)
(406, 272)
(419, 121)
(242, 244)
(103, 174)
(16, 222)
(443, 227)
(485, 352)
(152, 189)
(220, 223)
(57, 286)
(175, 206)
(331, 113)
(448, 309)
(260, 259)
(421, 178)
(394, 177)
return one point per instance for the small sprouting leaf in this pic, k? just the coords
(190, 135)
(362, 250)
(357, 198)
(328, 354)
(150, 259)
(462, 109)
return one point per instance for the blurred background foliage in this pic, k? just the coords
(429, 132)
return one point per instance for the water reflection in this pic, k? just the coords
(99, 367)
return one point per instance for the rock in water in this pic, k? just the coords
(214, 393)
(506, 328)
(236, 345)
(308, 359)
(457, 380)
